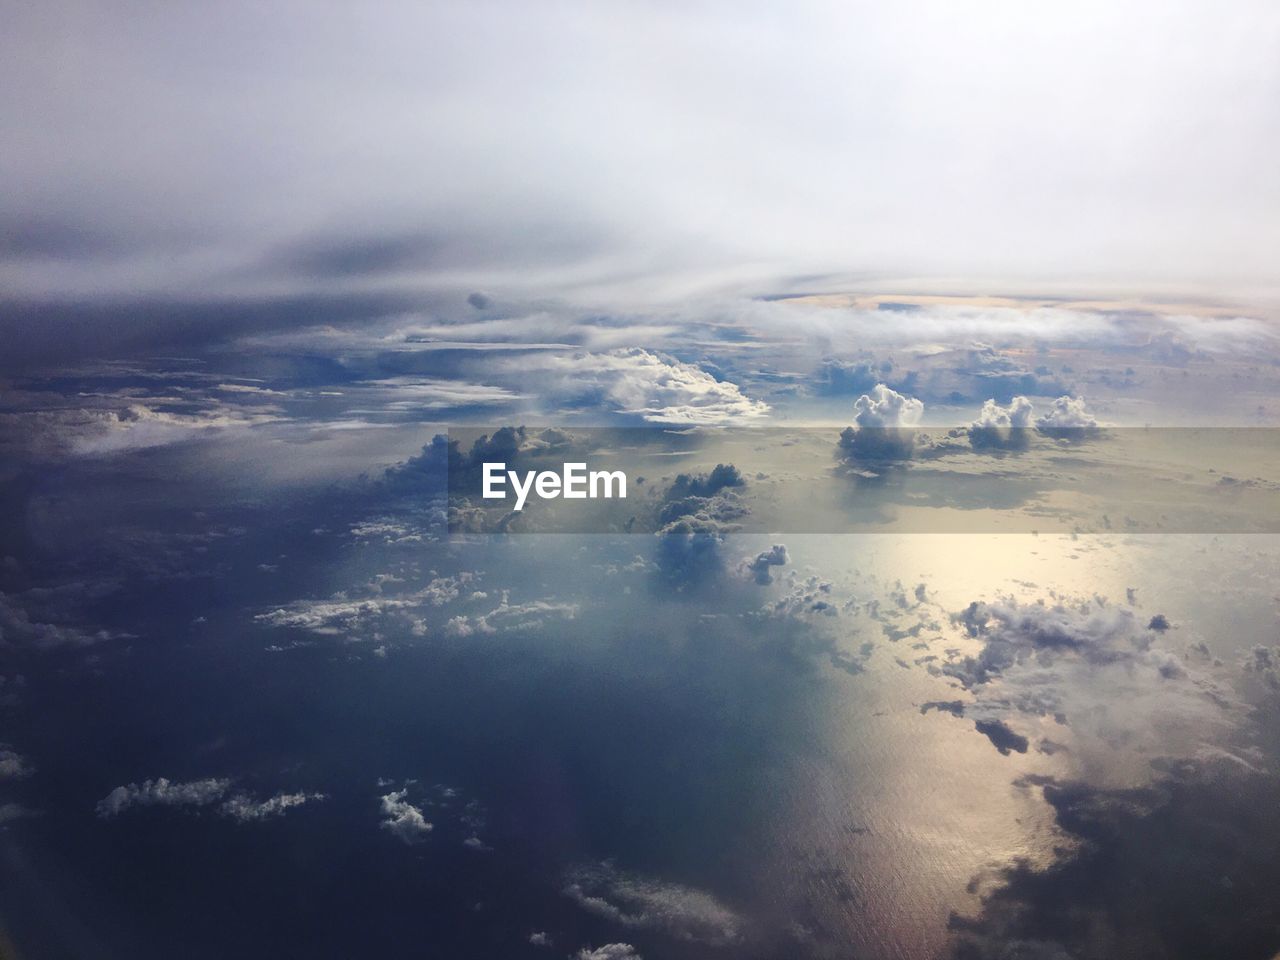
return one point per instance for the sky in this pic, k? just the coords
(938, 344)
(242, 166)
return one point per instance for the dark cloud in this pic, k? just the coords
(61, 330)
(994, 375)
(1002, 737)
(43, 237)
(837, 377)
(1185, 869)
(347, 256)
(761, 568)
(694, 515)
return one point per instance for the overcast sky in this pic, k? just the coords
(627, 152)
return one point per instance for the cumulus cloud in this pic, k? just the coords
(883, 426)
(403, 819)
(651, 387)
(694, 514)
(1013, 633)
(631, 901)
(1003, 428)
(509, 444)
(805, 597)
(1087, 665)
(722, 477)
(1067, 419)
(761, 568)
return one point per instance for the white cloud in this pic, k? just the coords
(610, 951)
(1004, 428)
(342, 614)
(883, 423)
(531, 615)
(886, 407)
(636, 383)
(717, 183)
(1068, 417)
(244, 808)
(402, 819)
(162, 792)
(141, 425)
(1088, 666)
(411, 394)
(630, 901)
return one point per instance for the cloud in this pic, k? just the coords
(402, 819)
(1002, 428)
(261, 223)
(15, 811)
(1183, 869)
(1002, 737)
(681, 912)
(1012, 633)
(610, 951)
(414, 395)
(722, 477)
(1068, 419)
(761, 567)
(1085, 665)
(142, 425)
(18, 627)
(837, 378)
(695, 513)
(507, 616)
(162, 792)
(343, 614)
(1001, 377)
(882, 429)
(805, 597)
(640, 385)
(12, 764)
(244, 808)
